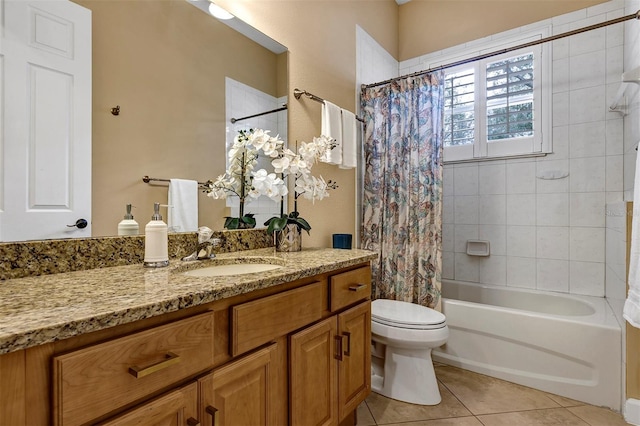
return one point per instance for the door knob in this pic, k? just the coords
(80, 223)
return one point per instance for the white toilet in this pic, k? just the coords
(403, 335)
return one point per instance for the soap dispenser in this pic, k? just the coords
(156, 251)
(128, 226)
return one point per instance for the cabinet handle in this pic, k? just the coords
(338, 354)
(214, 413)
(348, 336)
(139, 372)
(192, 422)
(357, 287)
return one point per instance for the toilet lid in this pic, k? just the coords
(400, 314)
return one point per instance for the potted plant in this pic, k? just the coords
(240, 178)
(288, 227)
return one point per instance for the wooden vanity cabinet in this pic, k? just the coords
(243, 392)
(93, 381)
(297, 353)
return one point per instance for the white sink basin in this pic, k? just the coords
(231, 269)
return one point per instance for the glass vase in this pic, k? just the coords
(289, 239)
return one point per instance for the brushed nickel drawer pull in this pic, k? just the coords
(346, 334)
(213, 411)
(192, 422)
(357, 287)
(139, 372)
(338, 353)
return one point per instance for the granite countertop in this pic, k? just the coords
(47, 308)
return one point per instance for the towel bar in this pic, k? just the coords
(147, 179)
(297, 93)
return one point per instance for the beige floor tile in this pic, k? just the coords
(546, 417)
(565, 402)
(597, 416)
(364, 416)
(455, 421)
(486, 395)
(388, 411)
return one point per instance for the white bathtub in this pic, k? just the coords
(563, 344)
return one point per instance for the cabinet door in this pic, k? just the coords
(313, 375)
(354, 370)
(242, 392)
(176, 408)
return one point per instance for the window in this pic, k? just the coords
(494, 107)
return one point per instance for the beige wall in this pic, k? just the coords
(320, 36)
(164, 63)
(430, 25)
(168, 85)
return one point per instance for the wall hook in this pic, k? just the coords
(116, 110)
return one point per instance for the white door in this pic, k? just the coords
(45, 142)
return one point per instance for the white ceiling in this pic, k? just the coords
(402, 1)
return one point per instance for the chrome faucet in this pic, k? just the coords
(205, 249)
(206, 244)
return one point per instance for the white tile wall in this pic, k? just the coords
(373, 62)
(631, 121)
(615, 251)
(553, 234)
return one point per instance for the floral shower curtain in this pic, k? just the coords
(402, 197)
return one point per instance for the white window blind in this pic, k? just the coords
(459, 108)
(510, 111)
(493, 107)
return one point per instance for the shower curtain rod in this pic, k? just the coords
(510, 49)
(282, 108)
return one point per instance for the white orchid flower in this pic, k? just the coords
(258, 138)
(311, 188)
(280, 165)
(270, 148)
(242, 178)
(268, 184)
(299, 165)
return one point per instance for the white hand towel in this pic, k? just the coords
(183, 205)
(631, 311)
(332, 127)
(349, 141)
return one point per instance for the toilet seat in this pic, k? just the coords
(399, 314)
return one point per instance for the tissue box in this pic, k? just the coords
(342, 241)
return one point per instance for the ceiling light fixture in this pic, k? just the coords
(219, 12)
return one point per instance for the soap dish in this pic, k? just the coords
(477, 248)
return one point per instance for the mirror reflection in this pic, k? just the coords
(177, 76)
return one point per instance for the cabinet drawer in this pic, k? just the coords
(179, 407)
(96, 380)
(260, 321)
(349, 287)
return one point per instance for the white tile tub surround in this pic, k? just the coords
(615, 251)
(549, 234)
(631, 125)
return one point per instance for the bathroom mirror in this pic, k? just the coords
(164, 64)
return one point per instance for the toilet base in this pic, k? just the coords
(408, 376)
